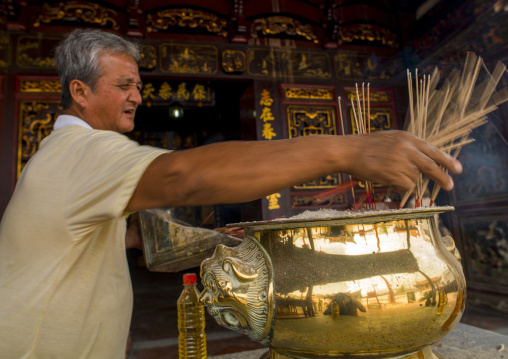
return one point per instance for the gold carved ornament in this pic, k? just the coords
(34, 51)
(367, 32)
(148, 57)
(275, 25)
(233, 61)
(310, 120)
(40, 86)
(186, 18)
(189, 58)
(36, 121)
(374, 96)
(86, 11)
(308, 93)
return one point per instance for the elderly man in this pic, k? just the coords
(65, 290)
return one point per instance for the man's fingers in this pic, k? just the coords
(441, 158)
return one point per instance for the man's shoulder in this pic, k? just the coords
(78, 134)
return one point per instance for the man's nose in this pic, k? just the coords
(135, 95)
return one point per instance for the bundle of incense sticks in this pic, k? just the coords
(361, 113)
(446, 116)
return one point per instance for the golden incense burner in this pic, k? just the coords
(370, 284)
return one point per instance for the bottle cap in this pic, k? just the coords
(189, 278)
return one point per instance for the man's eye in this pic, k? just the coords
(125, 87)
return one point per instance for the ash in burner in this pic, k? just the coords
(329, 213)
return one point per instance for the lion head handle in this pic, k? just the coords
(238, 289)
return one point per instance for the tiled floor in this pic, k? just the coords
(154, 332)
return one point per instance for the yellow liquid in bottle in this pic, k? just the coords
(191, 325)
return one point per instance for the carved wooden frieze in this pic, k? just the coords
(375, 104)
(36, 119)
(148, 57)
(378, 96)
(34, 52)
(357, 66)
(308, 93)
(381, 118)
(87, 12)
(233, 61)
(360, 33)
(5, 50)
(186, 18)
(188, 59)
(485, 248)
(31, 85)
(309, 120)
(288, 62)
(276, 26)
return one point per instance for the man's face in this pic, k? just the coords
(116, 96)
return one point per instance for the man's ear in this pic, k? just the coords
(79, 92)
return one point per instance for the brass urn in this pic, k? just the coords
(370, 284)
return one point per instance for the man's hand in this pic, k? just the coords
(397, 158)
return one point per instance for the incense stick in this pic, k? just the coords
(344, 133)
(446, 117)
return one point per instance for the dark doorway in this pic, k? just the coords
(229, 117)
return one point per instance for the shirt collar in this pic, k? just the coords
(69, 120)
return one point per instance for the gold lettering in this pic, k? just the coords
(266, 100)
(165, 91)
(199, 92)
(273, 201)
(182, 91)
(267, 115)
(268, 131)
(148, 91)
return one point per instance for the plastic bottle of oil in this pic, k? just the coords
(191, 321)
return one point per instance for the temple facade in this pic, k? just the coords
(273, 69)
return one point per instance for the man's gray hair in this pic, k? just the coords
(77, 57)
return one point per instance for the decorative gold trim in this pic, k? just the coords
(39, 86)
(276, 25)
(86, 11)
(368, 32)
(35, 122)
(287, 62)
(148, 57)
(381, 118)
(39, 47)
(303, 93)
(233, 61)
(190, 18)
(374, 96)
(188, 58)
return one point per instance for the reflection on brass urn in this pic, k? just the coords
(370, 284)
